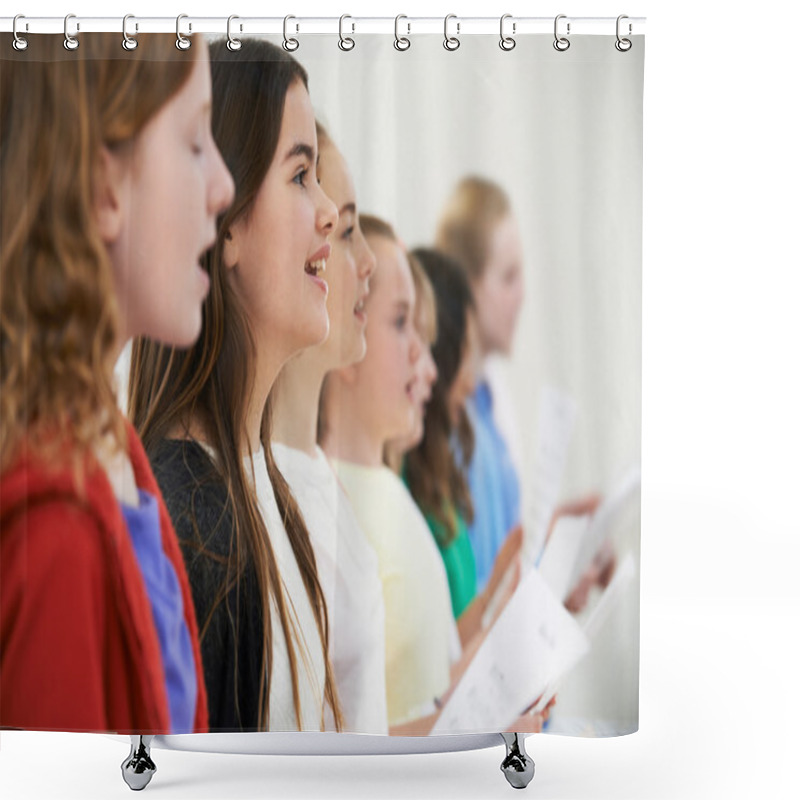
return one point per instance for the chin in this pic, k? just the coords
(184, 336)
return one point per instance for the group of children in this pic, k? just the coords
(309, 518)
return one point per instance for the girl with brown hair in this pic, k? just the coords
(104, 157)
(434, 458)
(205, 419)
(347, 563)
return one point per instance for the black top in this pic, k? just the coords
(231, 634)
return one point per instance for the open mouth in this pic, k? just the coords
(316, 268)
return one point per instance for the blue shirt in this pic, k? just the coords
(166, 603)
(493, 485)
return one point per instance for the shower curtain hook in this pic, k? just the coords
(233, 44)
(19, 43)
(622, 44)
(507, 42)
(290, 44)
(451, 43)
(128, 42)
(561, 43)
(182, 43)
(401, 42)
(346, 43)
(70, 42)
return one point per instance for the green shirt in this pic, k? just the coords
(459, 563)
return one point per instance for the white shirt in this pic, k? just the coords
(348, 571)
(419, 616)
(309, 652)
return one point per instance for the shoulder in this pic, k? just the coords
(193, 490)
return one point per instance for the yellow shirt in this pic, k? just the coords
(419, 617)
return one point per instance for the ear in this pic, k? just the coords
(110, 195)
(230, 246)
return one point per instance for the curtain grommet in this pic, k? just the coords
(507, 43)
(70, 41)
(561, 43)
(451, 43)
(346, 43)
(401, 43)
(233, 44)
(290, 44)
(128, 42)
(623, 44)
(182, 42)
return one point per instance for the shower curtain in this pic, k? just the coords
(498, 194)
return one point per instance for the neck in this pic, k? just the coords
(295, 401)
(348, 435)
(267, 365)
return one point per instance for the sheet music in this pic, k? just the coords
(623, 575)
(556, 420)
(603, 520)
(558, 560)
(610, 597)
(534, 641)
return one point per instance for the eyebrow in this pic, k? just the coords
(347, 207)
(403, 305)
(300, 149)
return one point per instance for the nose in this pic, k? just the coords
(221, 188)
(366, 259)
(327, 213)
(433, 372)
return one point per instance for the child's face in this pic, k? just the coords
(499, 291)
(278, 254)
(173, 185)
(387, 376)
(349, 268)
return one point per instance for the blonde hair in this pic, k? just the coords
(58, 310)
(467, 222)
(426, 299)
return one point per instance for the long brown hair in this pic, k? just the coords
(59, 322)
(435, 473)
(211, 383)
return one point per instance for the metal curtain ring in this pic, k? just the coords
(451, 42)
(233, 44)
(290, 44)
(561, 43)
(623, 45)
(70, 42)
(401, 42)
(182, 43)
(128, 42)
(507, 42)
(19, 43)
(346, 42)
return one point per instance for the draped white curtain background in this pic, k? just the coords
(562, 133)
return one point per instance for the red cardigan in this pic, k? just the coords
(78, 647)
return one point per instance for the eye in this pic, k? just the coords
(300, 177)
(400, 322)
(348, 234)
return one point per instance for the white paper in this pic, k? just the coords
(533, 642)
(558, 560)
(612, 594)
(603, 520)
(556, 419)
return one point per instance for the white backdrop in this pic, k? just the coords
(720, 598)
